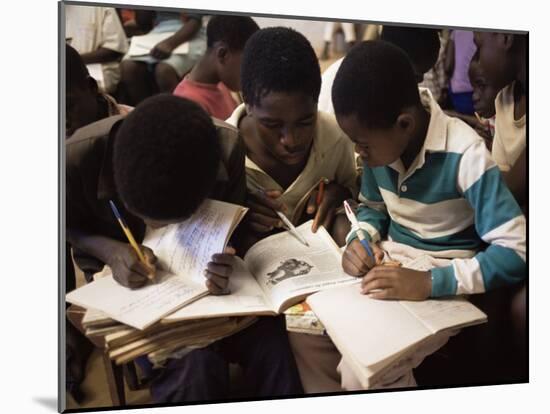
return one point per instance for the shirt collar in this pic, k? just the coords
(436, 135)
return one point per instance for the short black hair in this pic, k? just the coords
(420, 44)
(165, 157)
(76, 73)
(232, 30)
(376, 82)
(279, 59)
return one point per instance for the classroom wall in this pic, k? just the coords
(311, 29)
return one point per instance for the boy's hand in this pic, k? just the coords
(356, 261)
(162, 50)
(333, 197)
(391, 282)
(262, 217)
(218, 271)
(127, 269)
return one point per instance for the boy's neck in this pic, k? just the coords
(418, 138)
(205, 71)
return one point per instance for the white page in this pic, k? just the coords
(245, 297)
(138, 308)
(142, 45)
(284, 267)
(183, 251)
(96, 71)
(186, 248)
(371, 330)
(439, 314)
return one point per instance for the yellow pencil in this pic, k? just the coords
(132, 241)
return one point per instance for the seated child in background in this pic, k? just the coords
(429, 186)
(86, 103)
(97, 35)
(161, 70)
(290, 145)
(421, 45)
(142, 163)
(502, 57)
(484, 103)
(218, 71)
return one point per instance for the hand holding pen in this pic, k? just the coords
(323, 203)
(360, 256)
(268, 213)
(132, 265)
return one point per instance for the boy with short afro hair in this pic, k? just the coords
(429, 186)
(290, 145)
(158, 164)
(217, 73)
(421, 45)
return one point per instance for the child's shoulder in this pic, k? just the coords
(461, 136)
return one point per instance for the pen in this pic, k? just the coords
(360, 234)
(286, 221)
(131, 239)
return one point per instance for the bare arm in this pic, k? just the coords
(516, 178)
(101, 55)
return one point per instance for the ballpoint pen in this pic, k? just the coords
(360, 231)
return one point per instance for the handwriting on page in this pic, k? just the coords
(158, 297)
(185, 248)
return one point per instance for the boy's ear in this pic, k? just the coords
(406, 123)
(507, 40)
(221, 53)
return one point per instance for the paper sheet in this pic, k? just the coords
(142, 45)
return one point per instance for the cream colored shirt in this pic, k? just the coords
(90, 28)
(331, 157)
(510, 134)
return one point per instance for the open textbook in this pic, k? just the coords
(277, 272)
(183, 251)
(142, 45)
(373, 335)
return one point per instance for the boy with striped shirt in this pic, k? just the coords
(429, 186)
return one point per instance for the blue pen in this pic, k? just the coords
(360, 234)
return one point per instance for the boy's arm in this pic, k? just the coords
(163, 50)
(371, 213)
(498, 221)
(113, 42)
(516, 179)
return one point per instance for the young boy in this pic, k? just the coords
(290, 145)
(483, 97)
(421, 45)
(164, 66)
(429, 186)
(218, 71)
(158, 164)
(502, 57)
(290, 148)
(85, 102)
(97, 34)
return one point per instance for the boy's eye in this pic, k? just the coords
(271, 125)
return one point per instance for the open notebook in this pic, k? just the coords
(373, 334)
(183, 250)
(276, 273)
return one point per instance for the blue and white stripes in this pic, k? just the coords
(451, 199)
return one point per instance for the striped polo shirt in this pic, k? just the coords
(452, 202)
